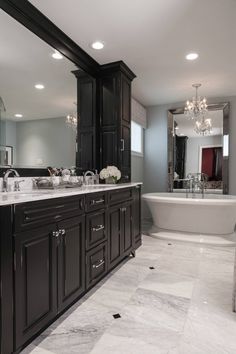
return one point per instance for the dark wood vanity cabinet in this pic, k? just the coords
(61, 248)
(49, 273)
(115, 117)
(35, 282)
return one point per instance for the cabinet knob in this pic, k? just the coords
(56, 234)
(62, 232)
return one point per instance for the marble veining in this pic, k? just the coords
(182, 306)
(27, 194)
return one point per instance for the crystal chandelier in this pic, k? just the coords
(203, 126)
(72, 120)
(197, 107)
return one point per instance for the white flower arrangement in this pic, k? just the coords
(111, 172)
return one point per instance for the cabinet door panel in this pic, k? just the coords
(109, 152)
(109, 102)
(125, 152)
(114, 238)
(71, 261)
(126, 100)
(86, 155)
(127, 227)
(35, 282)
(137, 216)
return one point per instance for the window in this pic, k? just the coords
(136, 139)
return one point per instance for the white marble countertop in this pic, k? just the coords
(8, 198)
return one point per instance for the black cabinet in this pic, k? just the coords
(104, 117)
(115, 117)
(62, 247)
(87, 157)
(49, 262)
(120, 234)
(71, 260)
(35, 281)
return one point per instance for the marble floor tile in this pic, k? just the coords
(154, 309)
(169, 283)
(182, 306)
(151, 341)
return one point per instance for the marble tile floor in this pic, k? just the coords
(182, 306)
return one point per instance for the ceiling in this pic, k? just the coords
(186, 126)
(26, 60)
(152, 37)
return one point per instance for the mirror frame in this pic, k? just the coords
(35, 21)
(225, 106)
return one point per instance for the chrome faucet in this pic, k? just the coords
(197, 182)
(89, 177)
(5, 178)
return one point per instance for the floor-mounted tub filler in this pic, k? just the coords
(177, 216)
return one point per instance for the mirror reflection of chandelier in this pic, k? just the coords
(203, 126)
(197, 107)
(72, 120)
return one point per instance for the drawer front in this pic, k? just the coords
(96, 228)
(120, 195)
(34, 214)
(96, 264)
(95, 201)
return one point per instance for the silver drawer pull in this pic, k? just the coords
(99, 263)
(98, 201)
(98, 228)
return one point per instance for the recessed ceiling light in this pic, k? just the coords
(57, 55)
(18, 115)
(181, 134)
(39, 86)
(192, 56)
(97, 45)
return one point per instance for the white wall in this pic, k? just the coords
(193, 151)
(48, 140)
(155, 158)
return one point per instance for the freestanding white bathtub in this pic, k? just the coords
(212, 215)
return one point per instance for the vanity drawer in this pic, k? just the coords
(95, 201)
(120, 195)
(96, 264)
(34, 214)
(96, 228)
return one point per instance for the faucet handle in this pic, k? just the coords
(17, 185)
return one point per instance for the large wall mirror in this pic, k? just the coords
(192, 152)
(37, 95)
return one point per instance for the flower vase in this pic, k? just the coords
(110, 180)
